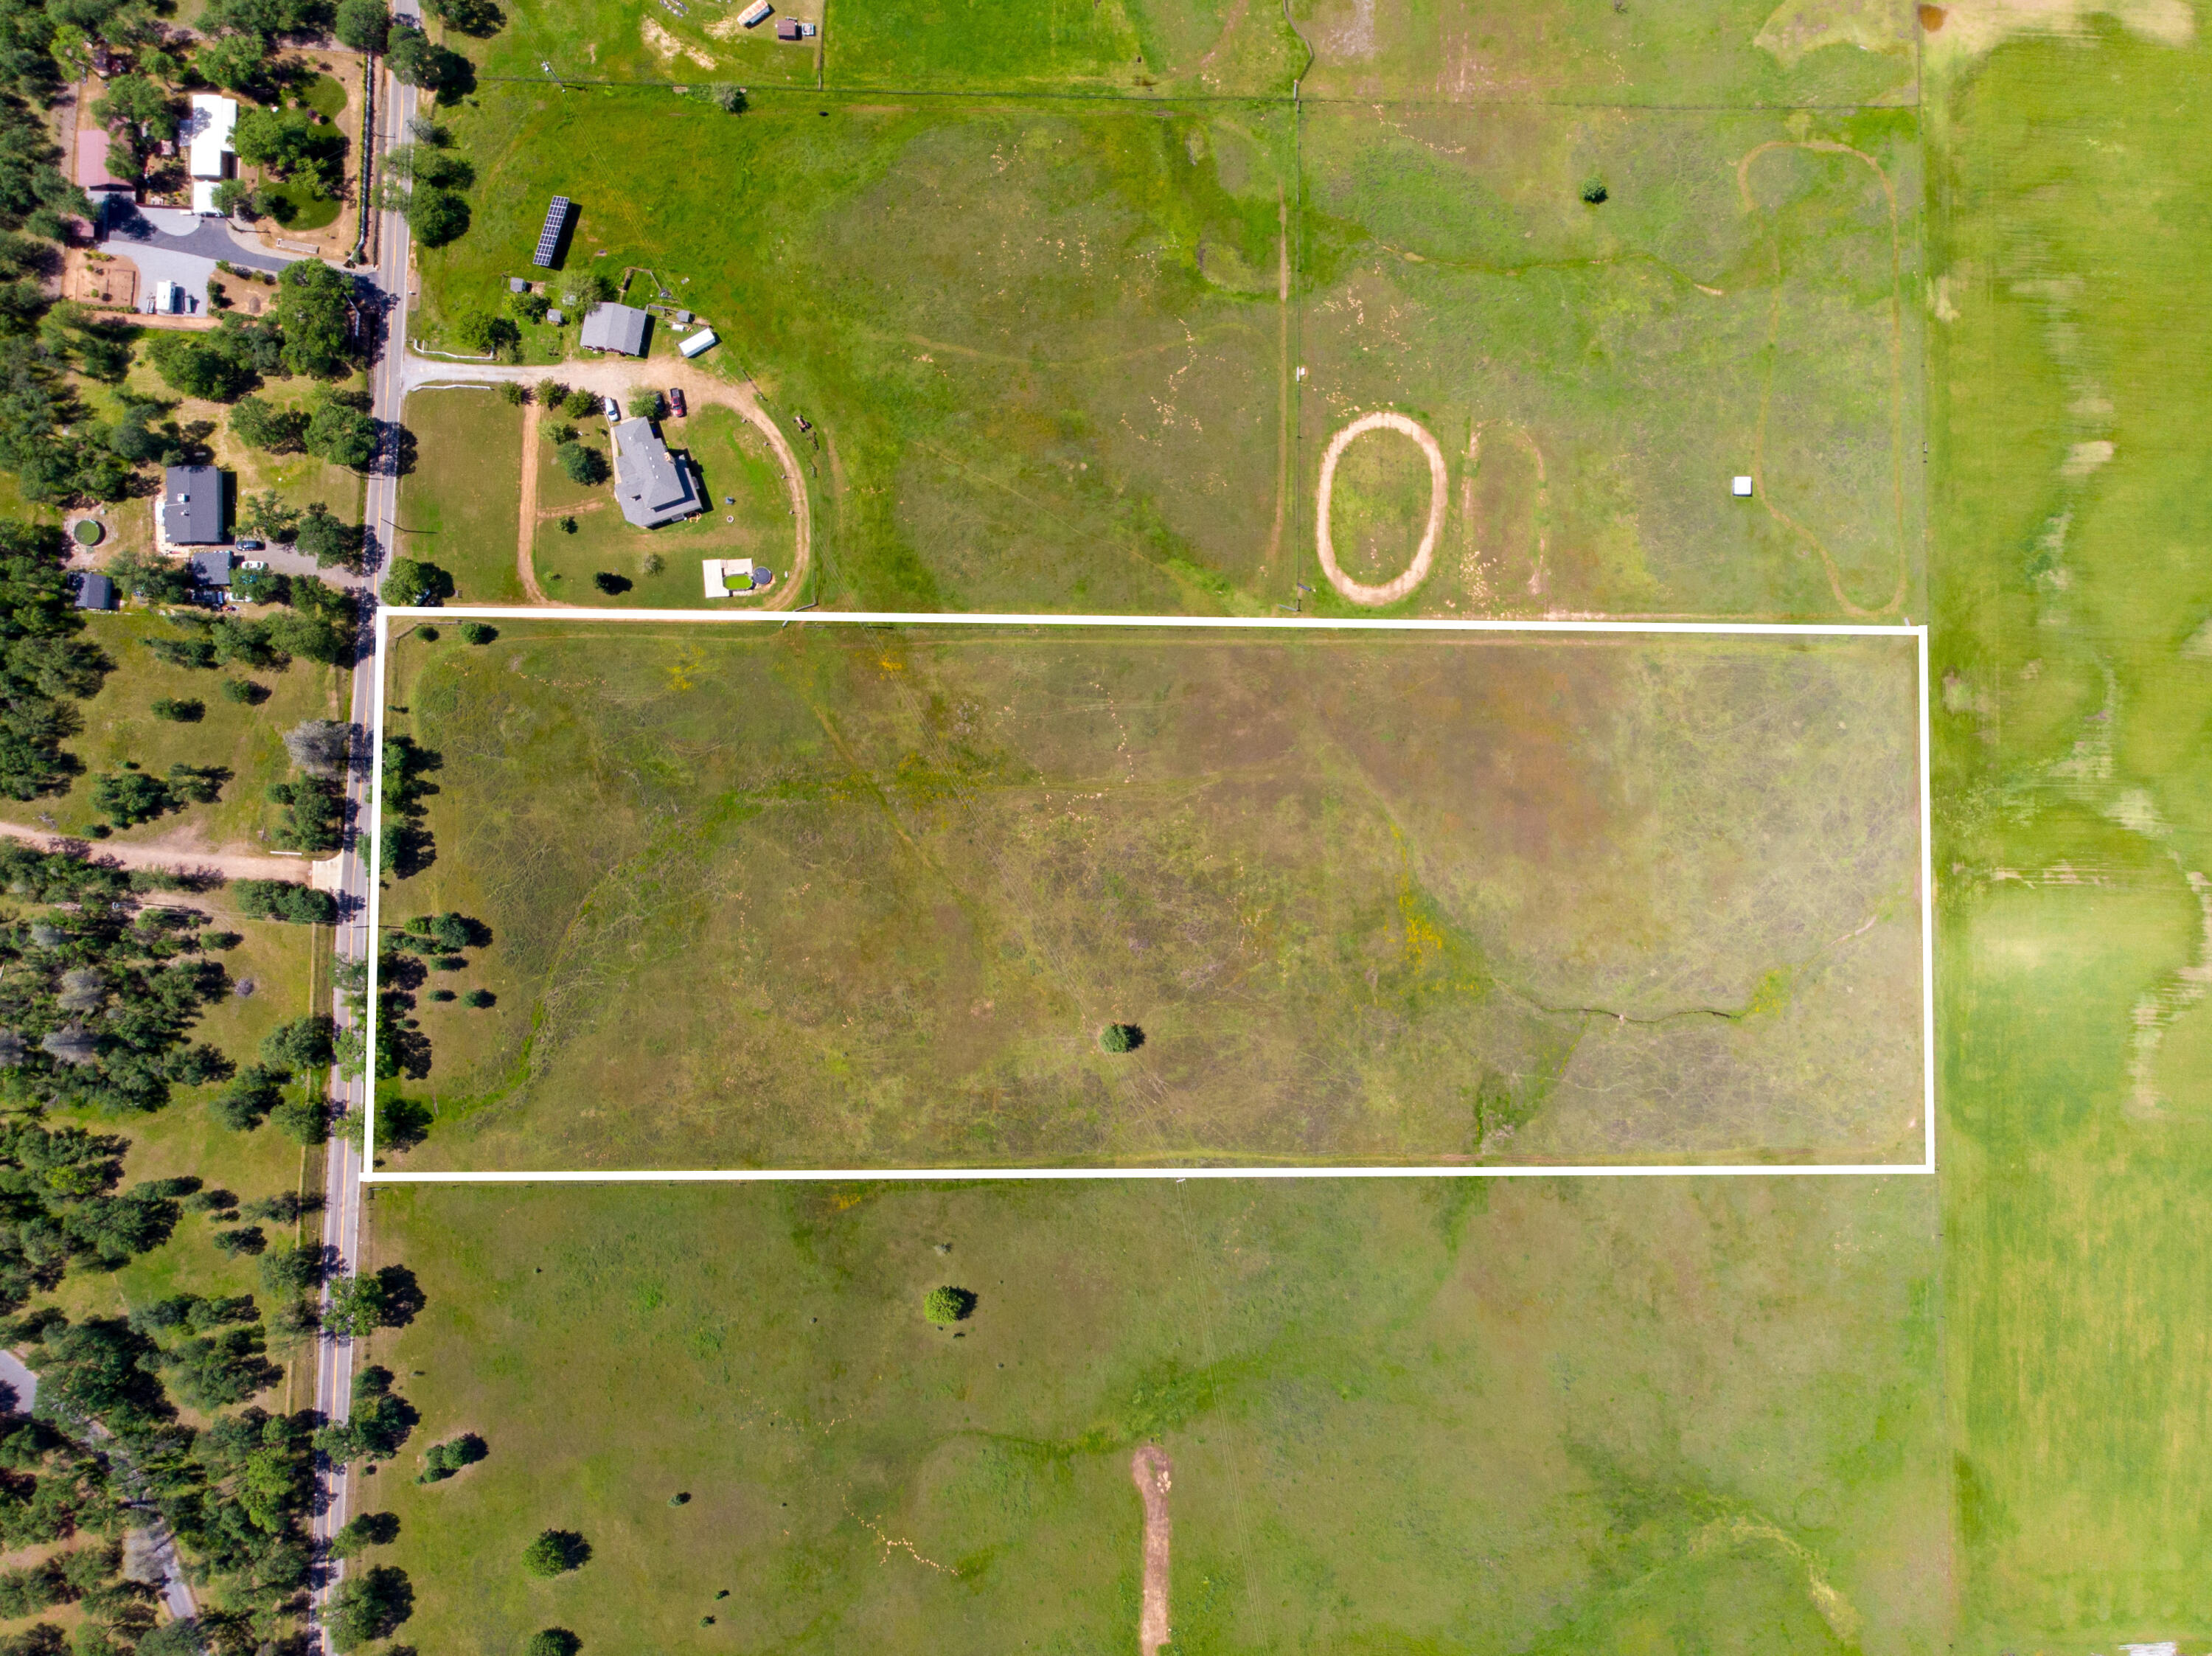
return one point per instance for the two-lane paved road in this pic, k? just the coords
(342, 1165)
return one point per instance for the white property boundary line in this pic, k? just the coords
(455, 615)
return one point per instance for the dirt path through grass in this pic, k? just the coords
(231, 865)
(616, 377)
(1152, 1473)
(1284, 412)
(525, 527)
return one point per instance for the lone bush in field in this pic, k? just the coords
(555, 1552)
(179, 713)
(475, 631)
(1120, 1037)
(1594, 191)
(365, 1530)
(369, 1607)
(555, 1641)
(947, 1306)
(583, 466)
(301, 1046)
(442, 1460)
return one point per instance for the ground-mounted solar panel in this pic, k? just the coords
(549, 238)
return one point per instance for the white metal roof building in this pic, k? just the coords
(208, 134)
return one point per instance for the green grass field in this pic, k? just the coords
(852, 897)
(1081, 415)
(1638, 1416)
(248, 741)
(457, 506)
(1664, 1416)
(2074, 781)
(1742, 303)
(1736, 53)
(1103, 373)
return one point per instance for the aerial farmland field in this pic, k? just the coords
(1555, 1416)
(1104, 369)
(873, 896)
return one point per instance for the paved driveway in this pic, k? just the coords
(167, 244)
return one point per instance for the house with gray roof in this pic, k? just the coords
(212, 569)
(95, 591)
(192, 506)
(652, 485)
(619, 328)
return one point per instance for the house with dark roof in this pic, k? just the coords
(619, 328)
(192, 506)
(95, 591)
(652, 485)
(212, 569)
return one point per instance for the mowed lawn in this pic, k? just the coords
(842, 896)
(1551, 1416)
(457, 506)
(2070, 739)
(750, 517)
(246, 740)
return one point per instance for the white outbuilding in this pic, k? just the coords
(210, 155)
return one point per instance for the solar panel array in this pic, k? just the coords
(549, 238)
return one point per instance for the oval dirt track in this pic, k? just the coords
(1414, 572)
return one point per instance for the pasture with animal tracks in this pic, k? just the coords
(843, 895)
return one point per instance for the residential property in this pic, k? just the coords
(192, 506)
(212, 569)
(652, 485)
(757, 14)
(618, 328)
(209, 155)
(701, 341)
(94, 591)
(549, 236)
(787, 28)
